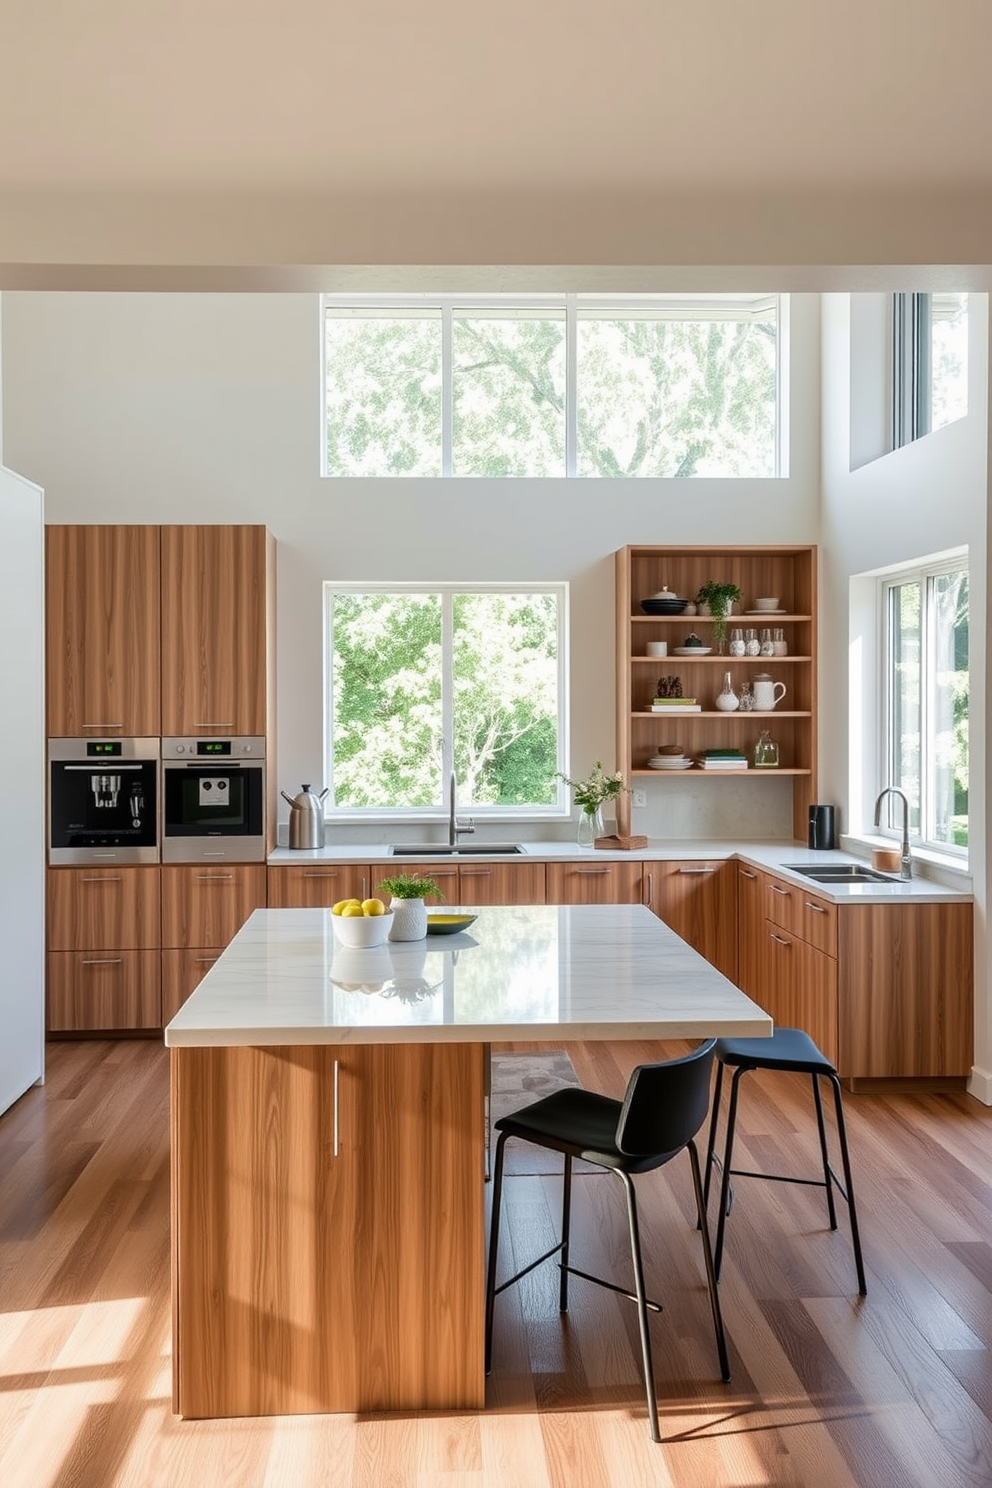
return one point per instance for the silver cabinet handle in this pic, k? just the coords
(746, 873)
(207, 960)
(105, 767)
(215, 878)
(103, 961)
(816, 908)
(477, 872)
(648, 889)
(201, 724)
(321, 873)
(776, 890)
(698, 870)
(779, 941)
(100, 878)
(337, 1129)
(591, 870)
(102, 725)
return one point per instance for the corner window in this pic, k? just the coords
(553, 385)
(423, 680)
(925, 628)
(930, 363)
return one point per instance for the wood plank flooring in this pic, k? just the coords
(894, 1391)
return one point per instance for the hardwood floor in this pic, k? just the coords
(894, 1391)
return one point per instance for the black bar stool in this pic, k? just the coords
(793, 1050)
(663, 1109)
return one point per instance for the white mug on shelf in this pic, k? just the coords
(767, 693)
(657, 648)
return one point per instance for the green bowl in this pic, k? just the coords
(449, 924)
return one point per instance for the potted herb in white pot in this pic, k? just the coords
(719, 600)
(407, 892)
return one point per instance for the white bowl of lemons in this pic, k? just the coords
(360, 923)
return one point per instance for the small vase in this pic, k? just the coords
(727, 700)
(591, 826)
(409, 919)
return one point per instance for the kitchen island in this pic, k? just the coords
(328, 1140)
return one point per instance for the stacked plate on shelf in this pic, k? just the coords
(670, 762)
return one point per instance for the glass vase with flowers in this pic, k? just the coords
(589, 795)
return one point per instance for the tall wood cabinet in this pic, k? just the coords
(103, 631)
(787, 573)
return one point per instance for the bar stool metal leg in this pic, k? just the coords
(642, 1305)
(711, 1139)
(566, 1214)
(849, 1184)
(493, 1249)
(728, 1154)
(821, 1128)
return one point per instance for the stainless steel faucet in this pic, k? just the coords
(453, 827)
(905, 861)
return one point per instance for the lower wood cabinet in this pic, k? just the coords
(595, 883)
(328, 1228)
(799, 987)
(90, 991)
(501, 883)
(203, 908)
(317, 885)
(91, 909)
(698, 899)
(182, 972)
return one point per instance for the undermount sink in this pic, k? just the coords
(840, 873)
(442, 850)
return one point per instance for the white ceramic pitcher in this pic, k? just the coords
(767, 693)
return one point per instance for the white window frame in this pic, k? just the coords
(559, 810)
(670, 306)
(923, 573)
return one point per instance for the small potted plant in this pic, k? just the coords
(409, 911)
(720, 599)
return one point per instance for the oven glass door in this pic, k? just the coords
(103, 803)
(213, 799)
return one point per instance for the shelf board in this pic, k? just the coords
(748, 622)
(726, 713)
(710, 774)
(725, 661)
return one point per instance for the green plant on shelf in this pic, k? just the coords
(721, 599)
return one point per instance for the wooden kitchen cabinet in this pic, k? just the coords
(182, 972)
(750, 929)
(317, 885)
(218, 613)
(595, 883)
(698, 899)
(799, 987)
(102, 631)
(202, 910)
(279, 1153)
(501, 883)
(90, 909)
(109, 991)
(789, 572)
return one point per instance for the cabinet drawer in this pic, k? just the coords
(595, 883)
(783, 904)
(501, 883)
(207, 906)
(93, 909)
(104, 991)
(182, 971)
(317, 885)
(819, 923)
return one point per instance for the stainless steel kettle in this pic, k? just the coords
(306, 818)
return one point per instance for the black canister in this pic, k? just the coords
(822, 827)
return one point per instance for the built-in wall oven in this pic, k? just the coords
(213, 800)
(103, 800)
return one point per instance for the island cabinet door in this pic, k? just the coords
(595, 883)
(328, 1231)
(699, 901)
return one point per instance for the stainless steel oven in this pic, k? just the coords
(103, 800)
(213, 800)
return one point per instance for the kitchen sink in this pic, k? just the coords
(841, 873)
(442, 850)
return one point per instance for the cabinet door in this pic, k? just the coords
(318, 885)
(208, 906)
(699, 901)
(93, 909)
(751, 896)
(501, 883)
(783, 904)
(799, 987)
(342, 1184)
(102, 626)
(215, 583)
(595, 883)
(182, 972)
(108, 990)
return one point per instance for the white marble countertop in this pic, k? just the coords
(529, 972)
(774, 856)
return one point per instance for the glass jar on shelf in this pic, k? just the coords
(767, 645)
(780, 646)
(765, 751)
(752, 646)
(737, 642)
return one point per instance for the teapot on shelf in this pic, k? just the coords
(306, 819)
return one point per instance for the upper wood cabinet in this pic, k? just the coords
(102, 631)
(218, 586)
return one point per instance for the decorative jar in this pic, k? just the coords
(765, 751)
(591, 826)
(727, 700)
(409, 919)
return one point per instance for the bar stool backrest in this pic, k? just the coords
(665, 1104)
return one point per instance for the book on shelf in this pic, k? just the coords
(676, 708)
(672, 702)
(727, 765)
(722, 754)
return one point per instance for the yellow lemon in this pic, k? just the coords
(342, 905)
(350, 910)
(373, 907)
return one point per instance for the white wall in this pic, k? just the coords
(206, 408)
(925, 498)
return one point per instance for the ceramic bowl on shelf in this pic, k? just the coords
(691, 650)
(766, 604)
(669, 762)
(657, 605)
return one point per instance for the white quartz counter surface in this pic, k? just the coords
(529, 972)
(774, 857)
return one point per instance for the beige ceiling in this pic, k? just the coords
(407, 127)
